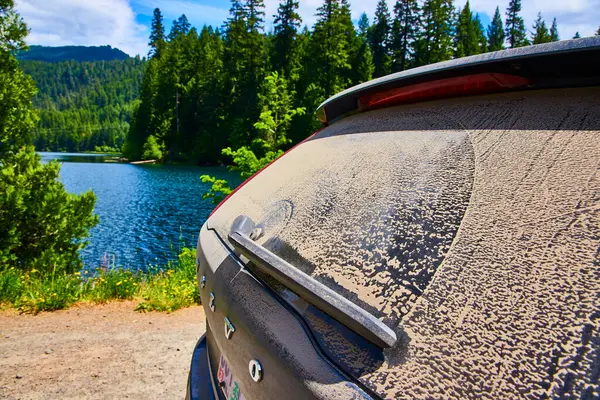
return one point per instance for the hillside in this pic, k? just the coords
(84, 106)
(75, 53)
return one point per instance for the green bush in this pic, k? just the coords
(151, 150)
(42, 226)
(113, 284)
(54, 291)
(174, 288)
(34, 291)
(10, 286)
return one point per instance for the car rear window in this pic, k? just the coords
(369, 206)
(470, 226)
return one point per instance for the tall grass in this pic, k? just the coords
(159, 289)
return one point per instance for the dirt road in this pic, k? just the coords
(97, 352)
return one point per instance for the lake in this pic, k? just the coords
(147, 212)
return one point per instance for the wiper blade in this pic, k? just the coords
(343, 310)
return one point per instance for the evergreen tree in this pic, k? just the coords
(554, 32)
(404, 33)
(181, 26)
(363, 26)
(41, 225)
(480, 35)
(495, 32)
(331, 56)
(515, 27)
(157, 34)
(466, 40)
(437, 32)
(577, 36)
(540, 32)
(285, 57)
(364, 65)
(353, 43)
(244, 61)
(597, 32)
(379, 39)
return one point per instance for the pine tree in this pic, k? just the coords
(379, 39)
(577, 36)
(554, 37)
(404, 33)
(244, 61)
(597, 32)
(437, 32)
(181, 26)
(495, 32)
(515, 27)
(466, 40)
(157, 35)
(331, 56)
(480, 35)
(363, 25)
(364, 65)
(540, 32)
(143, 114)
(285, 57)
(353, 43)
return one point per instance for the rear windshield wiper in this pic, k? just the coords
(354, 317)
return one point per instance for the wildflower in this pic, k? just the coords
(33, 271)
(77, 273)
(119, 283)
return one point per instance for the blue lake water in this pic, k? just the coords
(147, 212)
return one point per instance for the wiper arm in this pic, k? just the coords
(354, 317)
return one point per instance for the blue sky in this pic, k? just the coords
(125, 24)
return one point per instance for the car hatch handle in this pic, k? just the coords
(354, 317)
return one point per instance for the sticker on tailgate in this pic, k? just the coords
(227, 382)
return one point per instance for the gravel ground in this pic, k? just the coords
(97, 352)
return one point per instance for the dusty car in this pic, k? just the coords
(438, 238)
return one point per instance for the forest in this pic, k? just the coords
(83, 106)
(237, 94)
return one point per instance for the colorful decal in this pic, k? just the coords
(231, 388)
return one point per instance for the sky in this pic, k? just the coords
(125, 24)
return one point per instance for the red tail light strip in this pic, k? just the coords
(443, 88)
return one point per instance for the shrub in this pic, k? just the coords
(113, 284)
(161, 290)
(174, 288)
(51, 292)
(41, 225)
(151, 149)
(10, 286)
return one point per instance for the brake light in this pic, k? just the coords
(443, 88)
(259, 171)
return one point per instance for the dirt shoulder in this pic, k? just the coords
(97, 351)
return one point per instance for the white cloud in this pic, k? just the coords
(101, 22)
(84, 22)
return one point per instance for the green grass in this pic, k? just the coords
(160, 289)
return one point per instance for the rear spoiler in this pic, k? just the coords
(568, 63)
